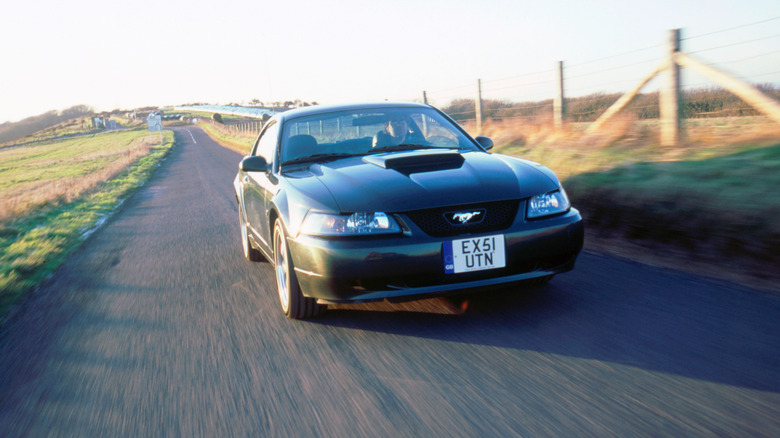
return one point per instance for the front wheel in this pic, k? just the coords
(294, 304)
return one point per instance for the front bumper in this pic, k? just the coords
(411, 265)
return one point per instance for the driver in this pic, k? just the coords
(396, 132)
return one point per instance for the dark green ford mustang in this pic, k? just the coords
(395, 201)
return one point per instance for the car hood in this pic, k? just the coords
(416, 180)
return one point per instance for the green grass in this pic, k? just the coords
(54, 160)
(34, 245)
(725, 204)
(241, 143)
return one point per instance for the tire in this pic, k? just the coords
(250, 253)
(294, 304)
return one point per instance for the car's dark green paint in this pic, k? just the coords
(461, 177)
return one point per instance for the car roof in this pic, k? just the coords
(322, 109)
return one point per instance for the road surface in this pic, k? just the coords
(157, 326)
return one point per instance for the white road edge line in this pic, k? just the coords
(192, 136)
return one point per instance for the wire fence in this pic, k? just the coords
(748, 51)
(240, 128)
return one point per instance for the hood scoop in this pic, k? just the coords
(418, 161)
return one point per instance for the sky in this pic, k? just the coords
(124, 55)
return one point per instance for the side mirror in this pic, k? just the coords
(485, 142)
(253, 164)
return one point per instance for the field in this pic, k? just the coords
(39, 173)
(53, 192)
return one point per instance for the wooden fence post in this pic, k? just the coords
(558, 101)
(745, 91)
(623, 101)
(478, 106)
(670, 100)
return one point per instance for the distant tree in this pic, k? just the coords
(461, 109)
(217, 117)
(77, 111)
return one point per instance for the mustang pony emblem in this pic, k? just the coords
(465, 217)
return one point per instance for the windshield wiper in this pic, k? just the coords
(320, 158)
(400, 147)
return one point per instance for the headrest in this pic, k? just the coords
(300, 146)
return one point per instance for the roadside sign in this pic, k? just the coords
(154, 122)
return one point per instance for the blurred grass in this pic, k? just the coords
(59, 170)
(36, 241)
(722, 206)
(239, 142)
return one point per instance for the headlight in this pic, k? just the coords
(549, 203)
(322, 224)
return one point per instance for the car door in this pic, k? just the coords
(260, 187)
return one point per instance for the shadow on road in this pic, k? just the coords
(669, 323)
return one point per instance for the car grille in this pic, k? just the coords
(498, 216)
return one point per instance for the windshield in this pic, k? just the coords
(335, 135)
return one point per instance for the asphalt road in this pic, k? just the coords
(157, 326)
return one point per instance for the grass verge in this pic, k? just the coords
(721, 210)
(241, 143)
(34, 245)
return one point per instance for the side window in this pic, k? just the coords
(266, 144)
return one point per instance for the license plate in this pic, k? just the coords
(474, 254)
